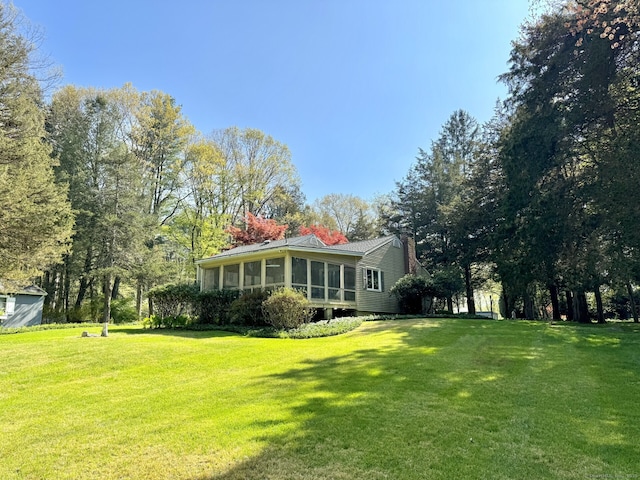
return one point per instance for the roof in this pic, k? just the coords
(364, 246)
(306, 242)
(13, 289)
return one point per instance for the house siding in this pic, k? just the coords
(390, 260)
(28, 312)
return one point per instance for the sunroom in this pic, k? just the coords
(327, 282)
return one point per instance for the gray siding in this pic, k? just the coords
(389, 260)
(28, 312)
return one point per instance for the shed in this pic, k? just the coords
(21, 307)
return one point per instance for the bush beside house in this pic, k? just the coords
(183, 305)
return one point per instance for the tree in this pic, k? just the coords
(563, 157)
(431, 202)
(159, 136)
(198, 228)
(327, 236)
(35, 216)
(89, 133)
(287, 206)
(257, 230)
(348, 214)
(256, 168)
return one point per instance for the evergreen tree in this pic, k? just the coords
(35, 216)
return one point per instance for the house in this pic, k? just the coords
(21, 307)
(354, 277)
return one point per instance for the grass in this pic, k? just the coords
(405, 399)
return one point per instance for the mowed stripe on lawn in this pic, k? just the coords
(410, 399)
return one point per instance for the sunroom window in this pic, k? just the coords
(274, 275)
(231, 274)
(317, 280)
(349, 284)
(211, 278)
(333, 272)
(252, 279)
(299, 274)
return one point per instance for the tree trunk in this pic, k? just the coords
(555, 303)
(632, 300)
(115, 291)
(599, 307)
(106, 313)
(450, 305)
(139, 298)
(84, 279)
(66, 288)
(82, 290)
(570, 314)
(505, 304)
(529, 309)
(580, 308)
(55, 287)
(46, 286)
(471, 303)
(92, 302)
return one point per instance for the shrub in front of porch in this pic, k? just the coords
(214, 306)
(247, 309)
(286, 309)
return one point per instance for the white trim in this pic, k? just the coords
(378, 276)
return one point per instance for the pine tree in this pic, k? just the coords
(35, 216)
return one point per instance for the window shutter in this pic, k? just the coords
(381, 281)
(364, 278)
(11, 306)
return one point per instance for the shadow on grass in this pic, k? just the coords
(174, 332)
(467, 401)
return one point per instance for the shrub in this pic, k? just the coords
(286, 308)
(171, 321)
(213, 306)
(411, 290)
(324, 328)
(49, 315)
(123, 311)
(247, 309)
(174, 300)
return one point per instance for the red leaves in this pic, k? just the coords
(329, 237)
(257, 230)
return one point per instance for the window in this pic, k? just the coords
(349, 284)
(252, 278)
(317, 280)
(333, 272)
(299, 274)
(211, 278)
(7, 306)
(275, 271)
(231, 276)
(373, 279)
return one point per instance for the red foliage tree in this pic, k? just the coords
(329, 237)
(257, 230)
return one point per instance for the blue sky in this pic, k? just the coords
(353, 87)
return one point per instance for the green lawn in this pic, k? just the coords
(410, 399)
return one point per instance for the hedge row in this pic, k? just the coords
(184, 305)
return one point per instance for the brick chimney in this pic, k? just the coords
(410, 258)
